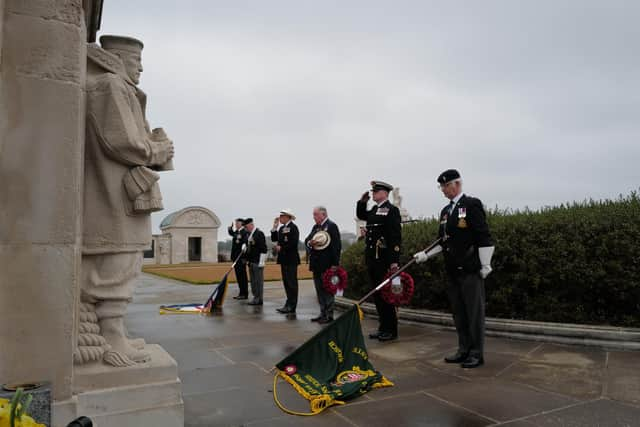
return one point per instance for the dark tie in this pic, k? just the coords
(451, 203)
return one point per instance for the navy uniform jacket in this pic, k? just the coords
(384, 232)
(287, 237)
(465, 230)
(256, 245)
(239, 237)
(320, 261)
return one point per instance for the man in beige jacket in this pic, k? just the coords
(120, 189)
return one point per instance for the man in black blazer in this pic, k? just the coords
(286, 235)
(382, 251)
(255, 256)
(323, 246)
(239, 238)
(467, 247)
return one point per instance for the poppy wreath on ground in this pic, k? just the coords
(398, 295)
(335, 281)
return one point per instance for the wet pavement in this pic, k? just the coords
(224, 364)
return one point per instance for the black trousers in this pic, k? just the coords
(387, 317)
(290, 281)
(241, 276)
(467, 298)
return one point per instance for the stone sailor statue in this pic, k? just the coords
(121, 190)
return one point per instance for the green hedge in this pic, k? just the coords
(575, 263)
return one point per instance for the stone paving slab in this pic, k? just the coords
(410, 410)
(600, 412)
(224, 362)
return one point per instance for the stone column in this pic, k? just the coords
(42, 72)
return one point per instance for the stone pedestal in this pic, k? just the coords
(148, 394)
(43, 56)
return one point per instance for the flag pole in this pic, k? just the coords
(234, 264)
(397, 273)
(224, 275)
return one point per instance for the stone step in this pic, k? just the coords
(605, 337)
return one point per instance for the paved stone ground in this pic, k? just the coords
(224, 363)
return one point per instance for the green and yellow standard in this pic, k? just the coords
(332, 367)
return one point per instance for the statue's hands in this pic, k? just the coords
(162, 151)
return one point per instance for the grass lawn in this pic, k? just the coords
(206, 273)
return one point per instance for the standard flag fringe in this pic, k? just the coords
(318, 402)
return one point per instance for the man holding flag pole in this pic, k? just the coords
(467, 247)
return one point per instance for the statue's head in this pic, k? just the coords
(129, 50)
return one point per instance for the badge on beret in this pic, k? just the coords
(462, 223)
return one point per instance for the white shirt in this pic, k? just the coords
(382, 202)
(455, 201)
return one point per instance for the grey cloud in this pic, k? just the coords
(299, 103)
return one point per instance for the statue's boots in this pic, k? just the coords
(137, 343)
(111, 321)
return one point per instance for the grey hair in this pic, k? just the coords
(321, 209)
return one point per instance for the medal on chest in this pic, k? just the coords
(462, 215)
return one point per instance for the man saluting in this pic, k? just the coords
(467, 248)
(382, 251)
(286, 235)
(239, 239)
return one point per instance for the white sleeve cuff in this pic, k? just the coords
(485, 254)
(434, 251)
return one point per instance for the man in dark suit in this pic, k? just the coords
(239, 238)
(286, 235)
(382, 251)
(468, 247)
(255, 256)
(324, 247)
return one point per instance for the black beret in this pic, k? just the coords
(239, 219)
(380, 185)
(448, 176)
(248, 221)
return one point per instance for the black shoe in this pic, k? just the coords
(387, 336)
(241, 297)
(254, 303)
(325, 320)
(317, 319)
(283, 310)
(473, 362)
(374, 335)
(459, 357)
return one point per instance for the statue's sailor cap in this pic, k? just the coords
(128, 44)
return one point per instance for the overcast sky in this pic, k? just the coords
(275, 104)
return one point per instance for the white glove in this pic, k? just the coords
(485, 255)
(420, 257)
(423, 256)
(244, 247)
